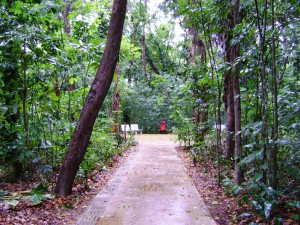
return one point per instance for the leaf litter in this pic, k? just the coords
(31, 203)
(224, 208)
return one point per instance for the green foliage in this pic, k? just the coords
(210, 20)
(147, 104)
(45, 75)
(264, 200)
(38, 194)
(35, 196)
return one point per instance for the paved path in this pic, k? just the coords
(151, 188)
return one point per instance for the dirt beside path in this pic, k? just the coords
(151, 187)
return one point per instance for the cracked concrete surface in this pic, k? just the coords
(151, 188)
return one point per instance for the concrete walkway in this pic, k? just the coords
(150, 188)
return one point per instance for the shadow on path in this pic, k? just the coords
(150, 188)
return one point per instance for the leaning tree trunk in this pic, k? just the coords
(93, 102)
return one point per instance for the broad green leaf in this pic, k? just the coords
(295, 204)
(38, 198)
(17, 7)
(73, 80)
(250, 158)
(13, 203)
(3, 193)
(257, 177)
(264, 166)
(39, 189)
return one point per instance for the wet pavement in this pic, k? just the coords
(151, 188)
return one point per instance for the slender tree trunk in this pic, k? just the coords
(237, 102)
(200, 110)
(144, 53)
(238, 127)
(216, 98)
(228, 91)
(115, 103)
(143, 44)
(248, 99)
(151, 63)
(232, 95)
(67, 31)
(203, 117)
(264, 88)
(229, 107)
(65, 12)
(93, 102)
(25, 97)
(193, 54)
(275, 100)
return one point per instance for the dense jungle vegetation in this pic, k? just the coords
(232, 62)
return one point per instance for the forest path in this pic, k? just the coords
(151, 187)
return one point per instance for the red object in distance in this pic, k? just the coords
(163, 125)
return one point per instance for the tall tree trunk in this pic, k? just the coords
(115, 103)
(238, 176)
(232, 95)
(144, 53)
(193, 54)
(228, 94)
(24, 99)
(66, 12)
(93, 102)
(203, 117)
(216, 99)
(238, 127)
(151, 63)
(67, 31)
(262, 27)
(200, 110)
(143, 45)
(274, 180)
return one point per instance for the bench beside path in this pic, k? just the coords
(151, 187)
